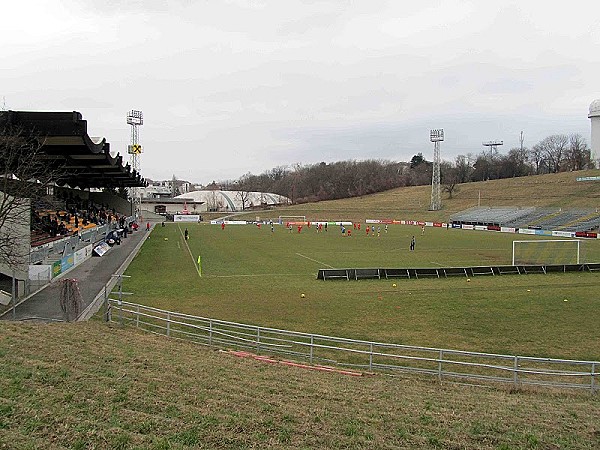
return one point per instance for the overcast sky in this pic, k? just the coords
(230, 87)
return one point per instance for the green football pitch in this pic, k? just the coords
(256, 276)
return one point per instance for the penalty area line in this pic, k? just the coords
(314, 260)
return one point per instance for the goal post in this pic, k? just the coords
(546, 252)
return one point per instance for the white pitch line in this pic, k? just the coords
(433, 262)
(314, 260)
(189, 250)
(265, 275)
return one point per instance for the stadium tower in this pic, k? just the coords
(594, 116)
(135, 119)
(493, 146)
(436, 136)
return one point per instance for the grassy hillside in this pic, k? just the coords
(551, 190)
(96, 386)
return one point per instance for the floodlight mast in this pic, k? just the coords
(436, 136)
(493, 146)
(135, 119)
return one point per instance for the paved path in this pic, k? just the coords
(92, 276)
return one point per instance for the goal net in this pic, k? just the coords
(546, 252)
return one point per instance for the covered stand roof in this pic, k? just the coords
(86, 162)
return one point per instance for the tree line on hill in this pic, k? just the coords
(344, 179)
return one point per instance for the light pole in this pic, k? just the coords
(436, 136)
(135, 119)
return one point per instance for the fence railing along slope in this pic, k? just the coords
(444, 364)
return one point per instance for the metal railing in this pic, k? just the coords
(67, 245)
(56, 250)
(445, 364)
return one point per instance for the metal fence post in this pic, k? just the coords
(257, 340)
(14, 296)
(107, 315)
(370, 356)
(593, 377)
(516, 372)
(137, 316)
(120, 281)
(312, 343)
(168, 324)
(440, 365)
(210, 332)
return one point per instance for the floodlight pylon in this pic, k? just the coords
(436, 136)
(135, 119)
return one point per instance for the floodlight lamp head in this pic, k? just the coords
(436, 135)
(135, 117)
(493, 143)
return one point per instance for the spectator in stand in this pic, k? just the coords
(54, 227)
(62, 229)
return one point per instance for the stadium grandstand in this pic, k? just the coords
(218, 200)
(74, 210)
(576, 219)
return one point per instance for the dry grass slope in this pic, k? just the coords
(551, 190)
(92, 385)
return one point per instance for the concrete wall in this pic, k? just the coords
(17, 229)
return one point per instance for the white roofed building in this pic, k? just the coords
(218, 200)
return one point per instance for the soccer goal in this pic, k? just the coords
(286, 219)
(546, 252)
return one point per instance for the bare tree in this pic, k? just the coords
(214, 201)
(554, 149)
(464, 167)
(244, 197)
(482, 168)
(70, 299)
(578, 155)
(242, 186)
(515, 163)
(25, 172)
(277, 173)
(536, 158)
(450, 178)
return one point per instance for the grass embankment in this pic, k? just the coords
(253, 276)
(92, 385)
(551, 190)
